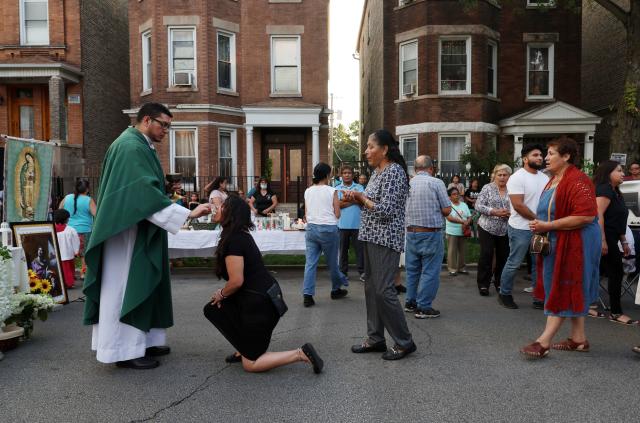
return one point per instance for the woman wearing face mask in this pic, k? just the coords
(263, 201)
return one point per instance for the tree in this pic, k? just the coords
(345, 143)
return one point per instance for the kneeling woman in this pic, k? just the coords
(242, 310)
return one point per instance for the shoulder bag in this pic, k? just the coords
(540, 243)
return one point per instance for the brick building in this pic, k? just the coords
(64, 76)
(442, 77)
(245, 80)
(603, 68)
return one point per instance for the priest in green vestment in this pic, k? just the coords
(127, 285)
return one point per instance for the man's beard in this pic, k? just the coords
(536, 166)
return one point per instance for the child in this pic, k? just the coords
(69, 243)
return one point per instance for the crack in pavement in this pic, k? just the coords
(204, 385)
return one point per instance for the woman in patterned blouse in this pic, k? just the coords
(494, 209)
(382, 232)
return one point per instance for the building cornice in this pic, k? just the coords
(40, 70)
(195, 108)
(426, 127)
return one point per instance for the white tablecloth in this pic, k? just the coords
(203, 243)
(20, 275)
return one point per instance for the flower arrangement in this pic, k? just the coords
(6, 285)
(25, 308)
(37, 285)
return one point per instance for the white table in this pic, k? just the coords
(203, 243)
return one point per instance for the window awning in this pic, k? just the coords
(555, 118)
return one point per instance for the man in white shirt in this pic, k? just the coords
(524, 188)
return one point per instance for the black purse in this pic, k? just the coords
(274, 293)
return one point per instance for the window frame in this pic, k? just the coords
(147, 81)
(23, 26)
(467, 39)
(467, 143)
(401, 66)
(494, 66)
(172, 148)
(402, 140)
(551, 59)
(170, 30)
(232, 59)
(273, 66)
(233, 136)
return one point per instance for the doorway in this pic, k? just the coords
(287, 153)
(29, 111)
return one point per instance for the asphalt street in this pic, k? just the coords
(466, 369)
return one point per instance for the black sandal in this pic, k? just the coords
(233, 358)
(598, 314)
(313, 357)
(616, 319)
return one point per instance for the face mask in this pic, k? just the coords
(263, 186)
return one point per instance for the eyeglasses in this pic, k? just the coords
(163, 124)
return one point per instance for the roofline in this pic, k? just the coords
(364, 9)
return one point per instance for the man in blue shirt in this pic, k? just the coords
(349, 223)
(426, 208)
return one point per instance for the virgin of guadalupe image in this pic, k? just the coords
(27, 179)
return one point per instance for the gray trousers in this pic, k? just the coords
(383, 307)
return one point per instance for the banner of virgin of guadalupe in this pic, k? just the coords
(28, 167)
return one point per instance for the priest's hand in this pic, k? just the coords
(201, 210)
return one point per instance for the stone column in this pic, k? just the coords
(250, 165)
(588, 146)
(315, 146)
(57, 111)
(518, 141)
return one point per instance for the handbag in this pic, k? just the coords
(274, 293)
(466, 229)
(540, 243)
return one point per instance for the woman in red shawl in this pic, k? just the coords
(568, 276)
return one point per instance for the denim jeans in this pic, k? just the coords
(519, 241)
(322, 239)
(423, 262)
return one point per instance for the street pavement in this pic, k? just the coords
(466, 369)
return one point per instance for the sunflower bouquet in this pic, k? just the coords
(37, 285)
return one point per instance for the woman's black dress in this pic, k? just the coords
(247, 318)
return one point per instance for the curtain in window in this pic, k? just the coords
(453, 65)
(410, 63)
(409, 152)
(224, 61)
(286, 59)
(451, 147)
(36, 22)
(185, 153)
(226, 161)
(183, 51)
(538, 71)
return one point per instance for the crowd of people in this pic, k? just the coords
(558, 215)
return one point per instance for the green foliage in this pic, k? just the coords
(5, 254)
(631, 100)
(588, 167)
(268, 168)
(485, 161)
(346, 147)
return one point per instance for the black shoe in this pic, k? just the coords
(157, 351)
(142, 363)
(484, 292)
(308, 300)
(233, 358)
(453, 274)
(410, 307)
(366, 348)
(428, 313)
(463, 272)
(339, 293)
(506, 301)
(397, 353)
(313, 357)
(400, 289)
(538, 305)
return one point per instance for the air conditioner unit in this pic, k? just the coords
(405, 2)
(408, 89)
(183, 79)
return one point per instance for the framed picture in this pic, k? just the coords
(40, 244)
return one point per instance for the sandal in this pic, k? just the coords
(616, 319)
(596, 314)
(233, 358)
(570, 345)
(535, 350)
(636, 349)
(314, 358)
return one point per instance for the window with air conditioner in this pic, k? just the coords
(182, 57)
(226, 61)
(409, 150)
(34, 22)
(146, 61)
(455, 65)
(408, 68)
(183, 151)
(540, 62)
(285, 65)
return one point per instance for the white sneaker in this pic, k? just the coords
(528, 289)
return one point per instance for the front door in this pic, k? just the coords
(286, 152)
(29, 112)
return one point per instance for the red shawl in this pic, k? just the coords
(575, 196)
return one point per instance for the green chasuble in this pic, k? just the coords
(132, 189)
